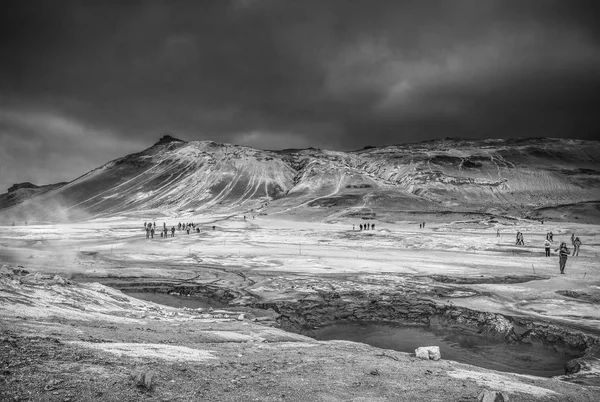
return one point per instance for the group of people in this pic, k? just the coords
(520, 240)
(563, 250)
(364, 226)
(150, 228)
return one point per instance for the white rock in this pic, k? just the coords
(241, 317)
(428, 353)
(492, 396)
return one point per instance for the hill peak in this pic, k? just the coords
(167, 139)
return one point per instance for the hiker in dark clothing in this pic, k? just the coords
(518, 238)
(188, 230)
(152, 233)
(563, 252)
(360, 226)
(573, 239)
(173, 231)
(214, 227)
(197, 230)
(551, 236)
(147, 232)
(423, 225)
(576, 245)
(161, 235)
(372, 226)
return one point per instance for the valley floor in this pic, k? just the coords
(61, 339)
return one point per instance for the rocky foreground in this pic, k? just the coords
(62, 341)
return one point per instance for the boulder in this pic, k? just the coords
(492, 396)
(428, 353)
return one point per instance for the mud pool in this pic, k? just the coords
(174, 300)
(458, 345)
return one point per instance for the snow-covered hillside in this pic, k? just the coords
(516, 177)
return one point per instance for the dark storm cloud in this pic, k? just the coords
(277, 74)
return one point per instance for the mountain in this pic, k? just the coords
(538, 178)
(20, 192)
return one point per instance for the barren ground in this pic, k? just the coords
(67, 341)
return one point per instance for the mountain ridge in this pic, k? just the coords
(493, 176)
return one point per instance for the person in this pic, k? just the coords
(173, 231)
(497, 232)
(213, 227)
(423, 225)
(551, 236)
(547, 247)
(188, 230)
(563, 252)
(360, 226)
(518, 237)
(372, 226)
(521, 239)
(573, 239)
(152, 233)
(353, 226)
(147, 232)
(144, 225)
(179, 226)
(420, 225)
(576, 245)
(161, 235)
(197, 230)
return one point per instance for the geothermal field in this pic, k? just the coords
(279, 292)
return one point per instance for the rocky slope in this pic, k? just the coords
(537, 178)
(20, 192)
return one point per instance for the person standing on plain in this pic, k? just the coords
(547, 245)
(576, 245)
(563, 252)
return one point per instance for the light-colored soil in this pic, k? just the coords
(66, 341)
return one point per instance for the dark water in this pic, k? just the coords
(174, 301)
(455, 344)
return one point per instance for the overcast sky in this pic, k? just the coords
(86, 81)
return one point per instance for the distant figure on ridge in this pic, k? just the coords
(372, 226)
(353, 227)
(498, 232)
(576, 245)
(360, 226)
(563, 252)
(173, 231)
